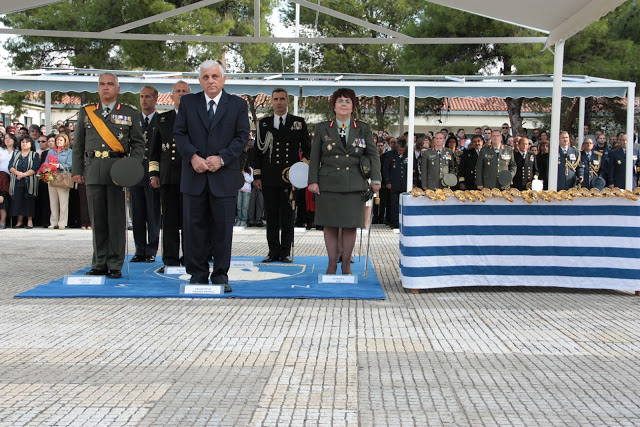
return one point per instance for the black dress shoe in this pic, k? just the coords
(227, 288)
(286, 259)
(115, 274)
(150, 258)
(138, 258)
(269, 258)
(94, 272)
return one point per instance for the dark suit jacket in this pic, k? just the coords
(164, 159)
(395, 170)
(597, 163)
(467, 168)
(148, 137)
(567, 177)
(227, 137)
(617, 168)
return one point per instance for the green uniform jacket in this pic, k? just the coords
(434, 166)
(491, 164)
(124, 123)
(336, 168)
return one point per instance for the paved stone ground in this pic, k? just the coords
(475, 356)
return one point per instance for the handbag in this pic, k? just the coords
(62, 180)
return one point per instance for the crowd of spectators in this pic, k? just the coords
(27, 201)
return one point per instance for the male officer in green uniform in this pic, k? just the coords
(436, 163)
(492, 160)
(105, 133)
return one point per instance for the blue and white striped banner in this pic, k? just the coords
(583, 243)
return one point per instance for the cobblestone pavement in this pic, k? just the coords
(470, 356)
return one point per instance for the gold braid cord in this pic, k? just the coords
(527, 195)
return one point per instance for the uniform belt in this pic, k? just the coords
(103, 154)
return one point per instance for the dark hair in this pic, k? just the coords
(344, 93)
(15, 140)
(451, 138)
(34, 127)
(153, 89)
(402, 142)
(280, 89)
(28, 138)
(51, 135)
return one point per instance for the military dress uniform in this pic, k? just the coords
(434, 166)
(145, 202)
(165, 162)
(271, 164)
(617, 168)
(467, 169)
(491, 162)
(93, 158)
(527, 169)
(594, 165)
(337, 168)
(570, 168)
(395, 167)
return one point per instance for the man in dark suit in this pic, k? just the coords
(395, 178)
(280, 139)
(526, 165)
(106, 132)
(211, 132)
(593, 163)
(165, 168)
(570, 169)
(468, 161)
(618, 165)
(145, 200)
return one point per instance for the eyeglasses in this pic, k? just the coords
(505, 127)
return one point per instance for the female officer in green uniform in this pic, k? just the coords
(343, 157)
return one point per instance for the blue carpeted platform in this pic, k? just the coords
(273, 280)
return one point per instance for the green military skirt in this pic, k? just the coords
(344, 210)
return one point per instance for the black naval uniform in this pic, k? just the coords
(594, 165)
(527, 168)
(270, 166)
(617, 168)
(93, 158)
(395, 173)
(145, 203)
(165, 162)
(467, 169)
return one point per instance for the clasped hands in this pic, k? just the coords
(210, 164)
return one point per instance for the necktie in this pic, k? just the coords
(281, 124)
(343, 135)
(210, 112)
(146, 124)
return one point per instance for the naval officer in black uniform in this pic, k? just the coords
(526, 165)
(165, 167)
(280, 138)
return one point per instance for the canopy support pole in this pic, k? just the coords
(631, 95)
(556, 102)
(297, 57)
(410, 145)
(581, 134)
(47, 110)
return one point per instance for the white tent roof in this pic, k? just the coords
(559, 19)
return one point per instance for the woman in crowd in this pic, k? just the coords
(5, 156)
(343, 157)
(59, 196)
(24, 183)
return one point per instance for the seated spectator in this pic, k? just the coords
(24, 183)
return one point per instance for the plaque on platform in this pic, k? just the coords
(189, 289)
(178, 269)
(338, 278)
(241, 263)
(84, 280)
(299, 230)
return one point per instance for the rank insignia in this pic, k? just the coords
(163, 119)
(121, 136)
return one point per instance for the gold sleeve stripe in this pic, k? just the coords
(257, 172)
(154, 166)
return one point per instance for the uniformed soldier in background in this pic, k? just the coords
(617, 165)
(468, 162)
(280, 138)
(395, 178)
(105, 133)
(165, 167)
(593, 164)
(526, 164)
(493, 160)
(145, 200)
(437, 162)
(570, 168)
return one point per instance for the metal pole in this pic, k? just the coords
(631, 95)
(47, 110)
(126, 230)
(554, 138)
(581, 134)
(366, 258)
(297, 58)
(410, 144)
